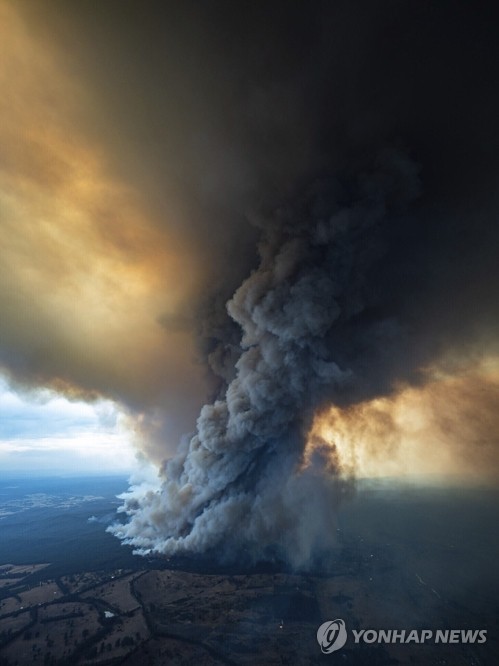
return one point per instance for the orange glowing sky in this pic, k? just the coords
(86, 269)
(447, 427)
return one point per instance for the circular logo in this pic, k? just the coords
(331, 636)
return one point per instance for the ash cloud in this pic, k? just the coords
(342, 155)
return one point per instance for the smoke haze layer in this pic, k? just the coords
(274, 209)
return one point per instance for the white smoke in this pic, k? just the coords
(239, 485)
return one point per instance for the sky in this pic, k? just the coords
(253, 243)
(44, 433)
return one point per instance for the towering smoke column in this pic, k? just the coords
(134, 142)
(241, 483)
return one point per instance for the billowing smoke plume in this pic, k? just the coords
(137, 142)
(240, 482)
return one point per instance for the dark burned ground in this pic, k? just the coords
(272, 618)
(171, 616)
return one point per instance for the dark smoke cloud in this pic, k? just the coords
(311, 292)
(373, 126)
(215, 109)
